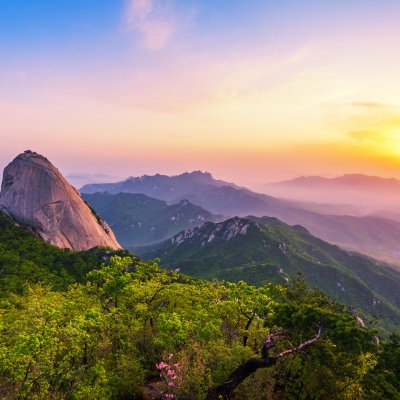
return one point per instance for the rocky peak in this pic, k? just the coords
(35, 194)
(210, 232)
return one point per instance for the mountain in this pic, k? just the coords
(393, 215)
(162, 187)
(368, 193)
(36, 195)
(198, 187)
(373, 235)
(262, 250)
(327, 208)
(138, 219)
(215, 195)
(229, 200)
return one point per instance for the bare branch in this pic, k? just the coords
(223, 391)
(300, 346)
(278, 333)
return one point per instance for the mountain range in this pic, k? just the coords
(138, 219)
(168, 188)
(262, 250)
(376, 236)
(367, 193)
(258, 249)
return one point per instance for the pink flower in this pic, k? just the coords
(170, 355)
(171, 372)
(161, 365)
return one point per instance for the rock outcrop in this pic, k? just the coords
(35, 194)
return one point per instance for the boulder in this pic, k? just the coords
(36, 195)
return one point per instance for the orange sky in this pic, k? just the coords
(252, 95)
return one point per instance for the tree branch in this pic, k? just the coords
(223, 391)
(245, 337)
(300, 346)
(278, 333)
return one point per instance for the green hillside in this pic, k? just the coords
(267, 250)
(25, 258)
(91, 326)
(137, 219)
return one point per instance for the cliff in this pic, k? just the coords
(35, 194)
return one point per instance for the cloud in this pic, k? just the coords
(373, 122)
(156, 22)
(369, 105)
(372, 135)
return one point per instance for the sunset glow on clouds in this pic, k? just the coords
(156, 21)
(251, 91)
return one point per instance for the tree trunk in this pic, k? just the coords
(244, 370)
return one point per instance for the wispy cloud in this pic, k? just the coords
(370, 135)
(369, 105)
(205, 80)
(156, 22)
(373, 122)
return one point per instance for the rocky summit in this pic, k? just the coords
(35, 194)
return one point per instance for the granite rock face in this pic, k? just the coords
(35, 194)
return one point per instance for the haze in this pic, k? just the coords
(353, 194)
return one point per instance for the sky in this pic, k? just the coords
(253, 91)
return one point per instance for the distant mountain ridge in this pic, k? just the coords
(346, 179)
(200, 188)
(369, 193)
(373, 235)
(260, 250)
(138, 219)
(168, 188)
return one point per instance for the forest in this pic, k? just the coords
(103, 325)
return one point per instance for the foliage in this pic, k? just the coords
(27, 258)
(102, 339)
(94, 325)
(383, 382)
(265, 250)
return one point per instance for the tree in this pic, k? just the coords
(224, 390)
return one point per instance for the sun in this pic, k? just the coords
(394, 143)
